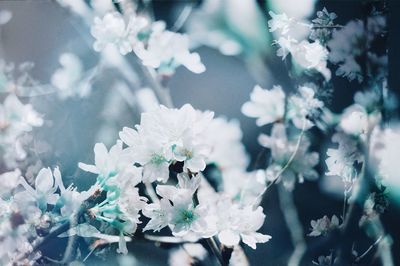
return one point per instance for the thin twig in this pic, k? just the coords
(289, 162)
(183, 16)
(369, 249)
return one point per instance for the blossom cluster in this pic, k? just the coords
(156, 47)
(185, 173)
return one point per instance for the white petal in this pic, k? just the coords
(88, 168)
(44, 181)
(229, 238)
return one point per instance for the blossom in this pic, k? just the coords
(8, 182)
(244, 188)
(311, 55)
(286, 45)
(303, 106)
(280, 22)
(165, 136)
(122, 213)
(340, 161)
(267, 106)
(70, 199)
(235, 223)
(226, 149)
(324, 225)
(16, 117)
(177, 209)
(111, 165)
(165, 50)
(321, 24)
(68, 78)
(112, 29)
(282, 149)
(45, 189)
(344, 47)
(354, 121)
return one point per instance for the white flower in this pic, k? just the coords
(303, 105)
(168, 135)
(345, 46)
(226, 149)
(149, 152)
(68, 78)
(311, 56)
(267, 106)
(324, 225)
(177, 209)
(340, 161)
(280, 22)
(385, 150)
(112, 165)
(286, 45)
(15, 117)
(245, 188)
(166, 50)
(70, 199)
(282, 149)
(45, 189)
(235, 224)
(354, 121)
(112, 29)
(8, 182)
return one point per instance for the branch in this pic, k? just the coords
(293, 224)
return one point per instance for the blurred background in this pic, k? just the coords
(39, 31)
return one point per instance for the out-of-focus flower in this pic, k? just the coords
(187, 255)
(303, 106)
(166, 50)
(16, 119)
(340, 161)
(244, 188)
(8, 182)
(325, 261)
(279, 22)
(321, 24)
(323, 225)
(296, 9)
(286, 45)
(311, 55)
(282, 149)
(112, 29)
(226, 149)
(267, 106)
(5, 16)
(215, 24)
(346, 45)
(354, 121)
(68, 78)
(384, 152)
